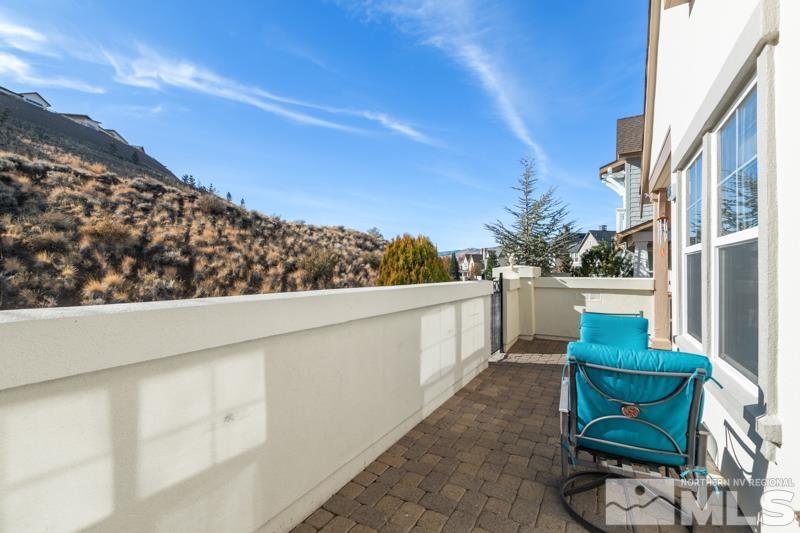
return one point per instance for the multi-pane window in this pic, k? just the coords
(738, 179)
(736, 245)
(694, 201)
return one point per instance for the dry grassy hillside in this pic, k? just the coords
(76, 235)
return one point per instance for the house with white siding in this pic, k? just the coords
(32, 98)
(114, 134)
(84, 120)
(36, 99)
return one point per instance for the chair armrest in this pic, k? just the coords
(563, 405)
(702, 445)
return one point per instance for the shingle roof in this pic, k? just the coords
(630, 135)
(603, 235)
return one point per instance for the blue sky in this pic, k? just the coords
(409, 116)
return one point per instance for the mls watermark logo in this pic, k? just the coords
(640, 502)
(664, 501)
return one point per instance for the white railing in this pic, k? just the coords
(222, 414)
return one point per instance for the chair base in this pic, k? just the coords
(570, 487)
(583, 481)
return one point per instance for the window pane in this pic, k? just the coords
(738, 306)
(727, 206)
(746, 120)
(738, 173)
(747, 185)
(694, 224)
(727, 149)
(695, 196)
(693, 297)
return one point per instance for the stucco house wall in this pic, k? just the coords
(755, 433)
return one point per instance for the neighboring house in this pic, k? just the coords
(114, 134)
(720, 166)
(590, 239)
(573, 249)
(634, 220)
(84, 120)
(36, 99)
(471, 265)
(32, 98)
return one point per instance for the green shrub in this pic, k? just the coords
(408, 260)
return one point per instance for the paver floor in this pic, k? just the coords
(485, 460)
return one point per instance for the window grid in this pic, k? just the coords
(735, 175)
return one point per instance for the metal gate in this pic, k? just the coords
(497, 315)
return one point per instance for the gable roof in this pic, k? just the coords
(630, 135)
(575, 239)
(602, 235)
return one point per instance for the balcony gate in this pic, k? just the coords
(497, 315)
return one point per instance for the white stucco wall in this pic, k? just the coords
(223, 414)
(689, 54)
(560, 301)
(704, 57)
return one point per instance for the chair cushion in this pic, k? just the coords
(671, 415)
(614, 330)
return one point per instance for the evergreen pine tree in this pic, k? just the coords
(536, 236)
(491, 262)
(454, 272)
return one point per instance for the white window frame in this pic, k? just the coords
(717, 242)
(687, 249)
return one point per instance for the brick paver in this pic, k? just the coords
(470, 464)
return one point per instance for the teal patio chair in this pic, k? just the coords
(624, 405)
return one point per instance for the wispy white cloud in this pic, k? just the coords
(153, 71)
(22, 38)
(20, 71)
(16, 38)
(150, 69)
(456, 28)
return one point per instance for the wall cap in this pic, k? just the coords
(617, 284)
(44, 344)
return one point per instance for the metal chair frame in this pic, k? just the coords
(600, 468)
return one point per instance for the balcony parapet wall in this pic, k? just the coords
(225, 414)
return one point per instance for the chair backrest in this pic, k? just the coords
(641, 404)
(622, 331)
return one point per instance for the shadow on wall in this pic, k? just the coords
(227, 438)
